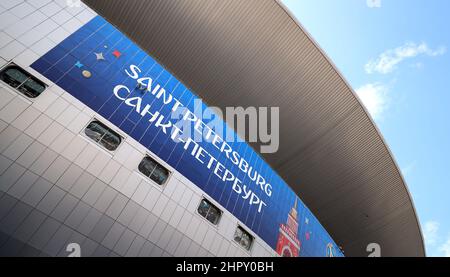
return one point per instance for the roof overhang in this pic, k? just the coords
(255, 53)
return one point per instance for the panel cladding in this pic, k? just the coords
(254, 53)
(57, 187)
(48, 228)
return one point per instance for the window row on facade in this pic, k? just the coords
(107, 138)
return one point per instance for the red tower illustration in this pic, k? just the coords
(288, 244)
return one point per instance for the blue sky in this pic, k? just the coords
(396, 55)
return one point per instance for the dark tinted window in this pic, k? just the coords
(152, 169)
(21, 80)
(103, 135)
(243, 238)
(209, 211)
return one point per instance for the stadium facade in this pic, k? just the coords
(89, 153)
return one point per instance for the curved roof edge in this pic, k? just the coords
(294, 18)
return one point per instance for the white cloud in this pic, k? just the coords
(375, 99)
(436, 246)
(406, 170)
(388, 60)
(373, 3)
(418, 65)
(430, 232)
(445, 248)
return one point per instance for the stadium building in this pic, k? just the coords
(89, 155)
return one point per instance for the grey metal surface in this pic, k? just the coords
(44, 219)
(254, 53)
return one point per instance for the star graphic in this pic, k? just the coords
(79, 64)
(99, 56)
(306, 220)
(116, 54)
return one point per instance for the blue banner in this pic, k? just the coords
(109, 73)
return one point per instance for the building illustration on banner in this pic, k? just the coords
(288, 244)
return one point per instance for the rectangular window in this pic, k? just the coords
(153, 170)
(103, 135)
(22, 81)
(243, 238)
(209, 211)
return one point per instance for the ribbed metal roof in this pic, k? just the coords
(254, 53)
